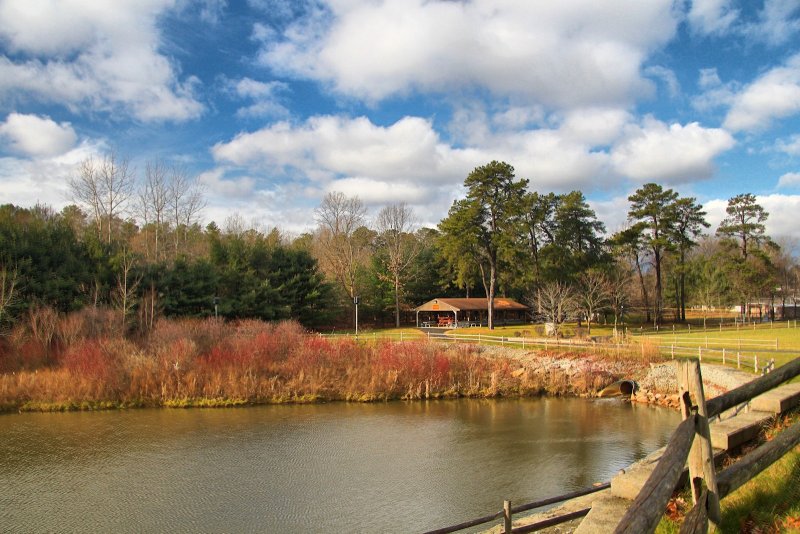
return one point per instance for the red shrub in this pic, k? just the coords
(90, 359)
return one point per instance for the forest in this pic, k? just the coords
(134, 246)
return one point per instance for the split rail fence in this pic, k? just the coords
(690, 443)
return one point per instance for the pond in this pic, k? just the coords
(393, 467)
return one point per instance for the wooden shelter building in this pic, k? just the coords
(457, 312)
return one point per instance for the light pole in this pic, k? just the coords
(355, 301)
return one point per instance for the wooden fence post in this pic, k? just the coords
(755, 362)
(701, 456)
(723, 355)
(738, 360)
(507, 517)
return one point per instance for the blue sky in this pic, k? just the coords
(274, 103)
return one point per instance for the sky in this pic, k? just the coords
(271, 104)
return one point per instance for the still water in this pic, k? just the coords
(396, 467)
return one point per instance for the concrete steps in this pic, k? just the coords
(734, 431)
(778, 400)
(731, 430)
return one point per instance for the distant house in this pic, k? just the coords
(450, 313)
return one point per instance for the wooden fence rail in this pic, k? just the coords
(648, 507)
(508, 512)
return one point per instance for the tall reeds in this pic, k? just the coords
(209, 362)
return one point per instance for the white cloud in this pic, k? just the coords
(776, 24)
(595, 126)
(782, 209)
(790, 179)
(265, 97)
(375, 192)
(25, 182)
(588, 149)
(97, 54)
(328, 147)
(556, 53)
(215, 183)
(672, 153)
(714, 93)
(612, 212)
(31, 135)
(667, 77)
(774, 95)
(711, 17)
(789, 146)
(211, 10)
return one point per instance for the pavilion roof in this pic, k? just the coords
(470, 304)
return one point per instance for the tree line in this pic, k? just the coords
(134, 244)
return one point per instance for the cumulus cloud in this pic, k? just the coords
(711, 17)
(100, 54)
(32, 135)
(378, 192)
(28, 181)
(588, 149)
(782, 209)
(774, 95)
(215, 183)
(777, 22)
(789, 180)
(264, 95)
(789, 146)
(671, 153)
(556, 53)
(714, 93)
(328, 147)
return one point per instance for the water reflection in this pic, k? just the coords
(394, 467)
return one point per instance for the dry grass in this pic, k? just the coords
(87, 364)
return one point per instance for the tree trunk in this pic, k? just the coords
(490, 295)
(397, 301)
(659, 302)
(644, 289)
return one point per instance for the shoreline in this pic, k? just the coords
(502, 373)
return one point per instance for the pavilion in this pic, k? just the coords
(455, 312)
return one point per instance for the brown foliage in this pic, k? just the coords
(188, 361)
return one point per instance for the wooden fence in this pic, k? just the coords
(690, 441)
(508, 512)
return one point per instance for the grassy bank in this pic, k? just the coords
(769, 503)
(211, 363)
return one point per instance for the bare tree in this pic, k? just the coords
(85, 189)
(394, 225)
(185, 202)
(593, 295)
(339, 246)
(104, 187)
(124, 296)
(619, 285)
(153, 198)
(555, 300)
(8, 286)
